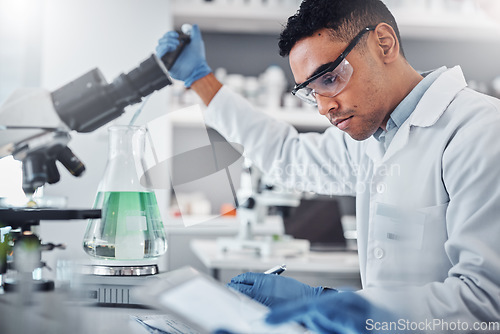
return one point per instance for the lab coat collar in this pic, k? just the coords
(428, 111)
(438, 97)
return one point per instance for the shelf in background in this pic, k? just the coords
(449, 26)
(413, 22)
(232, 18)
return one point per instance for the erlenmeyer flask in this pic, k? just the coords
(131, 227)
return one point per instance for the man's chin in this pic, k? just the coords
(358, 136)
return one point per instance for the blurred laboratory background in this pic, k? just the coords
(47, 43)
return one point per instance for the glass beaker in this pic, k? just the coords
(130, 227)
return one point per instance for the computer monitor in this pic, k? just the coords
(319, 221)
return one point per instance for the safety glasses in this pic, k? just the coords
(331, 80)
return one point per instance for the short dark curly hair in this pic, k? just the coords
(344, 18)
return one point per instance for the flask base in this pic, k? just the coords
(106, 270)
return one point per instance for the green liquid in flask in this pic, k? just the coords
(130, 228)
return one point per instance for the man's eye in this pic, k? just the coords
(329, 79)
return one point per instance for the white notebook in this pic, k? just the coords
(206, 305)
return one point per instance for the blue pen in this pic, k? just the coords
(276, 270)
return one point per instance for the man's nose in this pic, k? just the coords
(325, 104)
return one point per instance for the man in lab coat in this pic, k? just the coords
(418, 151)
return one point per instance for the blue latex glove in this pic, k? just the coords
(344, 312)
(272, 290)
(191, 64)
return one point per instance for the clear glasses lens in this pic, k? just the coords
(329, 84)
(306, 94)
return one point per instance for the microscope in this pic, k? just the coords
(256, 197)
(35, 127)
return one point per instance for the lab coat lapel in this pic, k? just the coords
(438, 97)
(430, 108)
(374, 150)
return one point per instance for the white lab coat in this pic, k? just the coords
(428, 209)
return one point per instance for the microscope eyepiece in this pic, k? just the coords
(89, 102)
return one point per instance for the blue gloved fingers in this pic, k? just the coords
(272, 290)
(246, 289)
(247, 278)
(344, 312)
(162, 49)
(340, 319)
(196, 34)
(191, 64)
(167, 43)
(222, 331)
(197, 46)
(256, 294)
(169, 35)
(302, 313)
(292, 311)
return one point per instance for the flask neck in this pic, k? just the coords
(125, 160)
(127, 142)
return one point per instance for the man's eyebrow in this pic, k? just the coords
(320, 69)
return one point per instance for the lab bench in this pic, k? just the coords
(196, 246)
(339, 269)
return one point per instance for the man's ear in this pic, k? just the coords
(388, 43)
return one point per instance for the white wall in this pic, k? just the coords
(115, 36)
(20, 44)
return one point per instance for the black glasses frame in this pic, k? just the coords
(337, 61)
